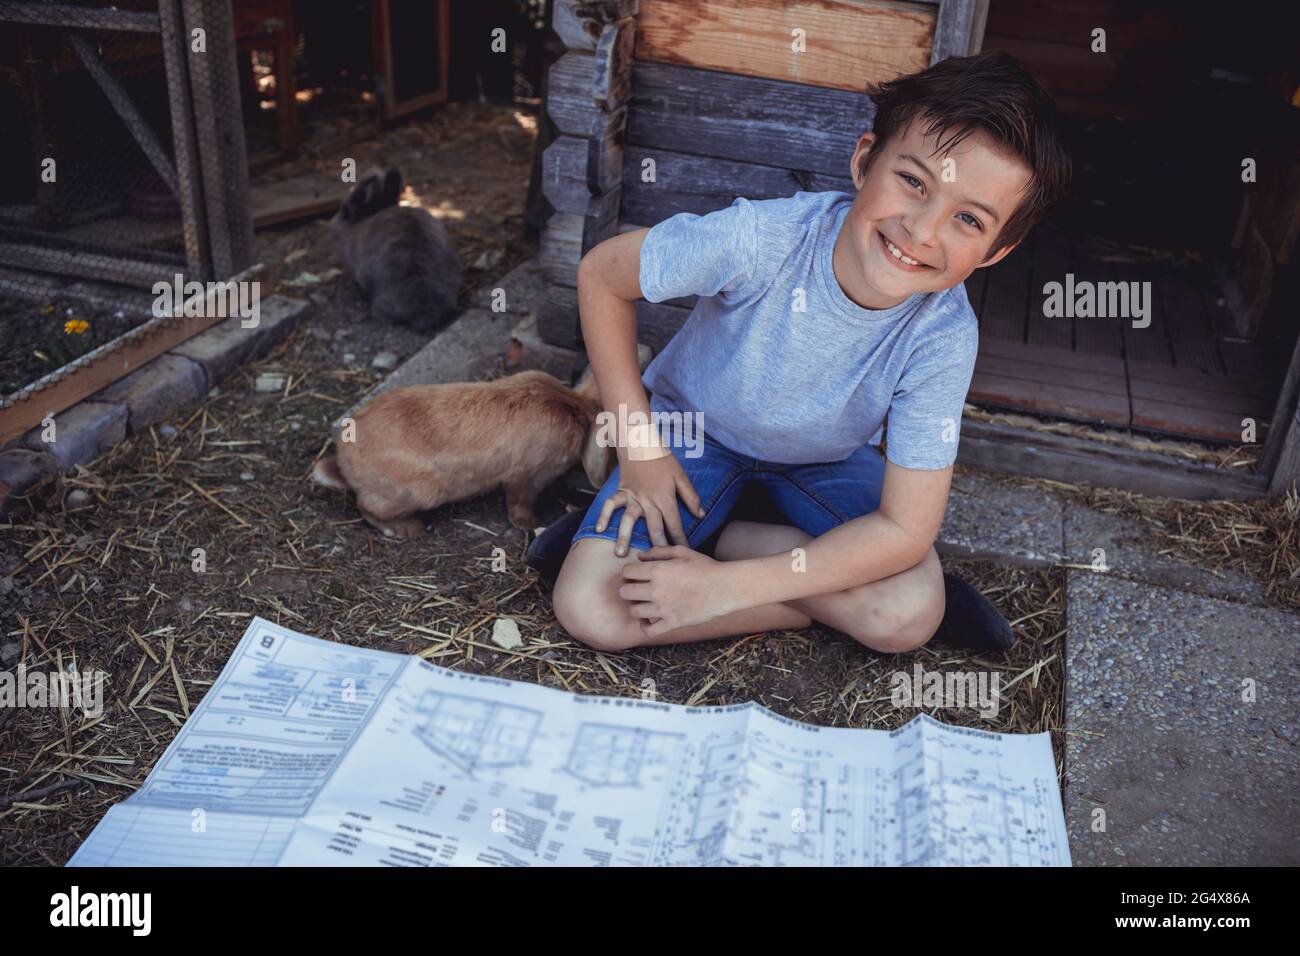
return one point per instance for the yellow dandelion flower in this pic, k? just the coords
(75, 326)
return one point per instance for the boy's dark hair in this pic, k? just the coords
(992, 92)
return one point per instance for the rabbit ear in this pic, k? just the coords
(360, 202)
(392, 186)
(373, 190)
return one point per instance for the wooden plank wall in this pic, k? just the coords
(848, 43)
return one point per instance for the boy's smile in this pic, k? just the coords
(924, 221)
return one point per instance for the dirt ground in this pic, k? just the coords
(110, 585)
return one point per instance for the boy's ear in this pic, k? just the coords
(858, 163)
(998, 256)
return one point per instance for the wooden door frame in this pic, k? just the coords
(382, 48)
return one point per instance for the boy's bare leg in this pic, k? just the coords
(892, 615)
(587, 604)
(895, 614)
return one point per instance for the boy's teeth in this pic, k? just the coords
(898, 254)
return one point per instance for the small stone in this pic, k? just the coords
(349, 358)
(77, 498)
(487, 260)
(9, 652)
(167, 431)
(269, 382)
(294, 426)
(505, 633)
(384, 361)
(245, 476)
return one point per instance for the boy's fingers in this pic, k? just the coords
(644, 609)
(672, 516)
(635, 570)
(688, 495)
(612, 503)
(675, 528)
(654, 523)
(662, 551)
(636, 591)
(625, 526)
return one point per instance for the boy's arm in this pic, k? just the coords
(608, 287)
(891, 539)
(685, 254)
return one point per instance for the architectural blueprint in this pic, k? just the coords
(309, 752)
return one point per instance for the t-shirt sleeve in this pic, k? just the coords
(925, 414)
(688, 254)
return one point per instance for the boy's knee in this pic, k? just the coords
(597, 630)
(904, 622)
(587, 615)
(890, 634)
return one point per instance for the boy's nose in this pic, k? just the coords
(921, 228)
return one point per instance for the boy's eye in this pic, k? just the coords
(911, 180)
(971, 221)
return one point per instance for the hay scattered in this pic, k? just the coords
(112, 587)
(1218, 455)
(1259, 538)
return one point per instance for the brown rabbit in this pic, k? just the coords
(421, 446)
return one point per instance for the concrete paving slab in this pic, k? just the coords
(1125, 552)
(156, 390)
(987, 518)
(523, 289)
(528, 351)
(81, 433)
(228, 345)
(1160, 737)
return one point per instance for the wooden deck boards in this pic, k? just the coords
(1183, 374)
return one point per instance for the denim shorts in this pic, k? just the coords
(813, 497)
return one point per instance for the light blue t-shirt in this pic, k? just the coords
(779, 384)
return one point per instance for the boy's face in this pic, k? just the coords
(940, 212)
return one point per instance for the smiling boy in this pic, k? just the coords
(822, 318)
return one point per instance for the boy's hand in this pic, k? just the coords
(672, 587)
(649, 489)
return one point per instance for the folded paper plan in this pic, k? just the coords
(308, 752)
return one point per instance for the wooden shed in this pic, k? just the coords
(764, 98)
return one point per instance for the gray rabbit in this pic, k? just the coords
(399, 255)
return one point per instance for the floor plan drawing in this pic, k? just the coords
(607, 755)
(475, 733)
(310, 753)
